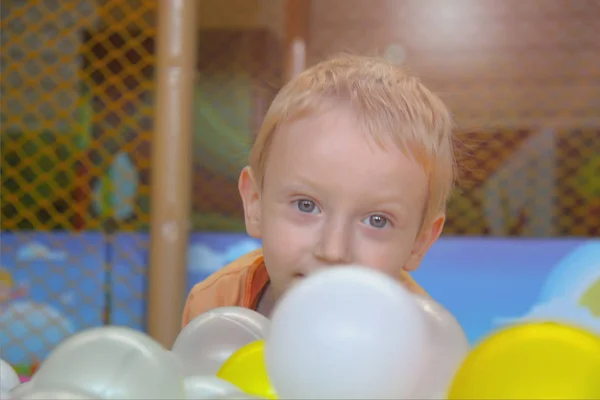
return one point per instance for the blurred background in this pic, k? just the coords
(79, 112)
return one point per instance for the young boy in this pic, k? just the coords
(353, 164)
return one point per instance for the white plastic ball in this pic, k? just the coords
(209, 387)
(212, 337)
(449, 346)
(34, 393)
(18, 392)
(8, 377)
(112, 363)
(346, 332)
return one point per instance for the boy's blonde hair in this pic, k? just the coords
(389, 104)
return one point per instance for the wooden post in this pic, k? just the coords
(171, 167)
(297, 13)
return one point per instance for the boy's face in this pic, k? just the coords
(331, 196)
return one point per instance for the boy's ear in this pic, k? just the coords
(430, 232)
(251, 199)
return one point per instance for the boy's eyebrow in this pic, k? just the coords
(299, 183)
(385, 199)
(390, 202)
(295, 188)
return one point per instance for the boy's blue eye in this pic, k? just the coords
(307, 206)
(377, 221)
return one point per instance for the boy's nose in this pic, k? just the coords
(334, 245)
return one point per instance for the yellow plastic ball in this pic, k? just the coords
(532, 361)
(246, 369)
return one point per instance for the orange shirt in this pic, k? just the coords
(241, 284)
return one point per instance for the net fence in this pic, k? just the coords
(76, 122)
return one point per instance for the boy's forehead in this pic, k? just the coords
(319, 136)
(332, 147)
(324, 134)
